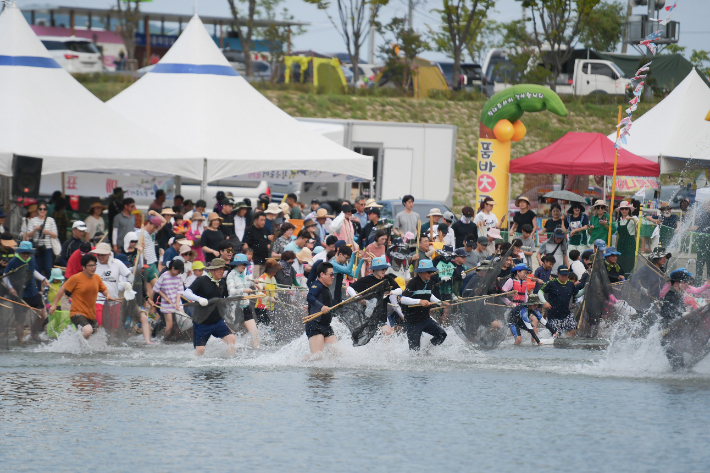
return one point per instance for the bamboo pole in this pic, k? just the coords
(23, 304)
(310, 317)
(138, 254)
(638, 237)
(613, 182)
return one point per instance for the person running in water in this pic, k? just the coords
(555, 297)
(318, 330)
(419, 294)
(519, 320)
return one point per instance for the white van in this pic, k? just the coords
(76, 55)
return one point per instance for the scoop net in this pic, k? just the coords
(643, 288)
(364, 314)
(486, 285)
(12, 313)
(686, 340)
(481, 322)
(596, 305)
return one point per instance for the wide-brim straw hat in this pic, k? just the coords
(322, 213)
(97, 204)
(494, 233)
(8, 243)
(197, 216)
(217, 263)
(284, 207)
(167, 211)
(522, 197)
(214, 216)
(626, 205)
(599, 203)
(305, 255)
(102, 249)
(435, 213)
(372, 203)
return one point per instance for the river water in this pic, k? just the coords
(68, 405)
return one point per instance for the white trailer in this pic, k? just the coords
(408, 158)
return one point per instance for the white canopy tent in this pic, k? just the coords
(196, 100)
(47, 114)
(675, 130)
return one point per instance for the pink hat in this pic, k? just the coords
(494, 233)
(408, 236)
(155, 221)
(626, 205)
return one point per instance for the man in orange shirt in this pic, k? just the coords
(84, 287)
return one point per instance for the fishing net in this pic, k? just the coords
(643, 288)
(11, 314)
(364, 314)
(481, 321)
(596, 305)
(486, 284)
(686, 340)
(117, 319)
(286, 319)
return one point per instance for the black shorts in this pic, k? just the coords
(79, 321)
(248, 313)
(314, 328)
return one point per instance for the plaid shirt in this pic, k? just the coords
(172, 287)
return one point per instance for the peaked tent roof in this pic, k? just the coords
(579, 153)
(669, 70)
(675, 130)
(47, 114)
(197, 100)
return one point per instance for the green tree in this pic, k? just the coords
(244, 38)
(353, 24)
(487, 38)
(462, 20)
(674, 49)
(402, 46)
(557, 25)
(699, 58)
(128, 19)
(276, 36)
(602, 30)
(523, 56)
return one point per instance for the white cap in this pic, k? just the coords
(80, 225)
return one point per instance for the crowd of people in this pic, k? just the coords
(179, 257)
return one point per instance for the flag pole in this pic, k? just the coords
(613, 182)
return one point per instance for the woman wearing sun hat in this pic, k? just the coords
(212, 237)
(94, 222)
(627, 226)
(238, 285)
(599, 223)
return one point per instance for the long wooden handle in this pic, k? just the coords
(308, 318)
(431, 228)
(22, 304)
(138, 253)
(102, 238)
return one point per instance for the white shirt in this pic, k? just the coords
(320, 256)
(149, 247)
(112, 274)
(577, 268)
(240, 226)
(489, 221)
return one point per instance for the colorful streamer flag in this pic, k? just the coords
(631, 109)
(639, 89)
(624, 122)
(649, 44)
(655, 36)
(641, 77)
(667, 19)
(671, 7)
(634, 100)
(643, 68)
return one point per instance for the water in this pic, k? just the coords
(68, 405)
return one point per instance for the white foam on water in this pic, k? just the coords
(71, 341)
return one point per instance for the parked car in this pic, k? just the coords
(365, 70)
(76, 55)
(471, 75)
(392, 207)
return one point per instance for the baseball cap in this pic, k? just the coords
(562, 269)
(79, 225)
(155, 221)
(460, 252)
(483, 240)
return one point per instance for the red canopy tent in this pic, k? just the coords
(579, 153)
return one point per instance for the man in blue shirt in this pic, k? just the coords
(172, 251)
(319, 331)
(360, 213)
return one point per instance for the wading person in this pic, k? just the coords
(612, 268)
(318, 330)
(519, 319)
(114, 274)
(206, 287)
(169, 287)
(85, 288)
(379, 273)
(238, 285)
(19, 279)
(555, 296)
(266, 285)
(417, 299)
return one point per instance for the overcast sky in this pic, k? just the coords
(693, 16)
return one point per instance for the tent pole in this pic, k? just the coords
(203, 184)
(613, 182)
(178, 185)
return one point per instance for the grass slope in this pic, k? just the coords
(542, 128)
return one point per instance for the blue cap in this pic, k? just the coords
(425, 266)
(460, 252)
(122, 258)
(562, 269)
(318, 249)
(239, 258)
(340, 243)
(520, 267)
(599, 243)
(379, 263)
(681, 275)
(611, 251)
(25, 247)
(558, 232)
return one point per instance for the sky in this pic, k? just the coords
(321, 35)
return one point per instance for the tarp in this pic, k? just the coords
(195, 99)
(675, 130)
(669, 70)
(47, 114)
(577, 153)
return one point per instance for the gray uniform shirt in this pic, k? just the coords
(405, 222)
(124, 225)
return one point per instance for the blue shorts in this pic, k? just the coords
(202, 332)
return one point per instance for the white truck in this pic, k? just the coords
(578, 77)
